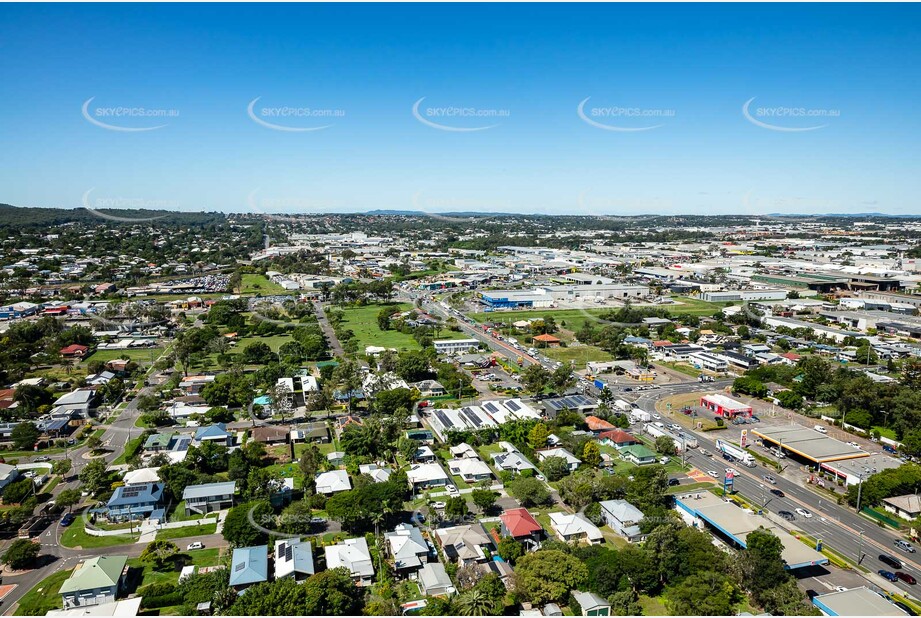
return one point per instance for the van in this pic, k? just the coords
(820, 429)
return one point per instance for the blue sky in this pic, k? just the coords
(687, 69)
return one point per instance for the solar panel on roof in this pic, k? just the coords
(471, 417)
(289, 551)
(441, 416)
(512, 405)
(490, 406)
(240, 567)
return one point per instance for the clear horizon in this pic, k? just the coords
(532, 109)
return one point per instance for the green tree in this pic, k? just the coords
(535, 378)
(239, 530)
(95, 478)
(537, 438)
(529, 491)
(21, 554)
(547, 576)
(332, 593)
(456, 508)
(61, 466)
(706, 593)
(554, 468)
(509, 549)
(25, 435)
(665, 445)
(67, 498)
(591, 454)
(484, 499)
(159, 553)
(625, 603)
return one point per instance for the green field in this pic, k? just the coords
(580, 354)
(44, 596)
(260, 284)
(142, 355)
(149, 575)
(273, 341)
(363, 322)
(75, 536)
(186, 531)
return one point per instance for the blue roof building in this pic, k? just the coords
(249, 565)
(134, 501)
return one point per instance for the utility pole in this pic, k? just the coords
(859, 488)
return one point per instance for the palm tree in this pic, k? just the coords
(475, 602)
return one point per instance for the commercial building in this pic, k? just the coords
(724, 406)
(455, 346)
(856, 602)
(852, 470)
(807, 445)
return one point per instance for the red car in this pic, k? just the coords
(905, 577)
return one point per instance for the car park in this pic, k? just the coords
(803, 513)
(892, 561)
(888, 575)
(905, 577)
(904, 546)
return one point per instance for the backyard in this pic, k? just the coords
(363, 322)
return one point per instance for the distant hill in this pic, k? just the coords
(17, 216)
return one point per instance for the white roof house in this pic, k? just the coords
(333, 481)
(354, 555)
(511, 459)
(463, 450)
(293, 558)
(407, 546)
(575, 527)
(380, 474)
(571, 460)
(470, 469)
(426, 475)
(141, 476)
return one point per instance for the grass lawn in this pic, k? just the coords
(76, 536)
(44, 596)
(186, 531)
(273, 341)
(131, 449)
(653, 606)
(885, 432)
(142, 355)
(363, 322)
(682, 368)
(201, 558)
(260, 284)
(580, 354)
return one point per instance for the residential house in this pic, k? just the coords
(424, 454)
(591, 604)
(472, 470)
(575, 528)
(336, 458)
(344, 421)
(248, 566)
(572, 462)
(216, 433)
(408, 548)
(906, 507)
(380, 474)
(521, 526)
(94, 581)
(8, 474)
(141, 476)
(294, 558)
(637, 454)
(598, 425)
(317, 433)
(74, 350)
(622, 517)
(332, 482)
(210, 497)
(354, 555)
(512, 460)
(618, 438)
(425, 476)
(269, 434)
(463, 450)
(465, 544)
(81, 401)
(429, 388)
(130, 502)
(433, 580)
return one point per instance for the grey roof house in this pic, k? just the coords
(622, 517)
(209, 497)
(248, 566)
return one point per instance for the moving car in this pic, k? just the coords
(705, 453)
(905, 608)
(673, 482)
(905, 577)
(732, 471)
(67, 519)
(778, 493)
(769, 479)
(820, 429)
(787, 515)
(194, 546)
(803, 513)
(904, 546)
(888, 575)
(891, 561)
(713, 473)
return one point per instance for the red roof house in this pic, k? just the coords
(598, 425)
(618, 438)
(549, 340)
(521, 526)
(74, 350)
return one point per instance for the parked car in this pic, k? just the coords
(891, 561)
(904, 546)
(194, 546)
(803, 513)
(673, 482)
(787, 515)
(905, 577)
(438, 505)
(888, 575)
(452, 490)
(769, 479)
(778, 493)
(853, 444)
(820, 429)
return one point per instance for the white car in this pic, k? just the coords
(803, 513)
(732, 471)
(438, 505)
(656, 416)
(713, 473)
(194, 546)
(840, 589)
(820, 429)
(452, 490)
(854, 444)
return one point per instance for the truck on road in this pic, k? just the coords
(738, 454)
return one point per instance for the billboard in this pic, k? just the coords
(744, 439)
